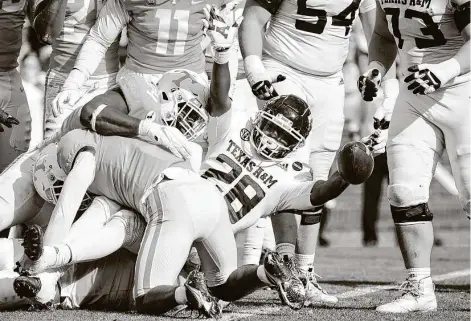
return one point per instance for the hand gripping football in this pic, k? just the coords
(355, 162)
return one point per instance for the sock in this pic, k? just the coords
(253, 243)
(57, 255)
(418, 273)
(241, 282)
(305, 261)
(180, 295)
(262, 276)
(285, 249)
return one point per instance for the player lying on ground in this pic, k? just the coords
(432, 113)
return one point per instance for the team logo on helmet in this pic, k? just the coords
(245, 134)
(183, 98)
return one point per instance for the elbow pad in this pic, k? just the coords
(271, 6)
(461, 16)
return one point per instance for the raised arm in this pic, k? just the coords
(48, 19)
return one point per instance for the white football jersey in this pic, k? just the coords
(313, 35)
(248, 183)
(425, 32)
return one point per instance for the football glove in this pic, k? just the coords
(368, 84)
(166, 136)
(262, 86)
(376, 142)
(7, 120)
(66, 99)
(222, 34)
(427, 78)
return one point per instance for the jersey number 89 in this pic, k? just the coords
(244, 195)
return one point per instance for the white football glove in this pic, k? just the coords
(376, 142)
(66, 99)
(169, 137)
(221, 33)
(368, 84)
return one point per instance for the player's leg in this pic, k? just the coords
(326, 100)
(19, 201)
(7, 94)
(457, 141)
(162, 255)
(413, 148)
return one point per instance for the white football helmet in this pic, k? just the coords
(183, 96)
(48, 177)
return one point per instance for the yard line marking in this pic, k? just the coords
(373, 289)
(244, 314)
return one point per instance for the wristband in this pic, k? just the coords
(448, 70)
(253, 66)
(222, 56)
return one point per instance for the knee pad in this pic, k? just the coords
(411, 214)
(311, 217)
(402, 195)
(134, 226)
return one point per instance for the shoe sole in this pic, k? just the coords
(24, 287)
(33, 242)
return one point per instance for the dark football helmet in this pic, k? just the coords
(281, 127)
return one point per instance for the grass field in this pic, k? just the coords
(362, 277)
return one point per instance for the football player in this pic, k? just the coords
(14, 109)
(64, 25)
(303, 50)
(161, 37)
(431, 114)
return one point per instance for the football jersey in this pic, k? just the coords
(126, 168)
(251, 185)
(12, 18)
(80, 17)
(425, 32)
(313, 35)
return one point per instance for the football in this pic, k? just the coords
(355, 162)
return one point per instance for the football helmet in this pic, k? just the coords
(48, 177)
(183, 96)
(281, 127)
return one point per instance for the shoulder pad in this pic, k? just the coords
(271, 6)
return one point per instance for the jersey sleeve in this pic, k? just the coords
(71, 144)
(367, 5)
(295, 196)
(271, 6)
(112, 19)
(219, 129)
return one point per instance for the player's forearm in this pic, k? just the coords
(70, 199)
(382, 53)
(49, 19)
(324, 191)
(219, 90)
(108, 121)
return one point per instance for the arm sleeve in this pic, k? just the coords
(112, 19)
(71, 144)
(367, 5)
(219, 128)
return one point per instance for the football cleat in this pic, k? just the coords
(288, 285)
(199, 298)
(418, 296)
(27, 286)
(315, 294)
(33, 242)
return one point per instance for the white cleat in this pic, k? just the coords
(418, 296)
(315, 294)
